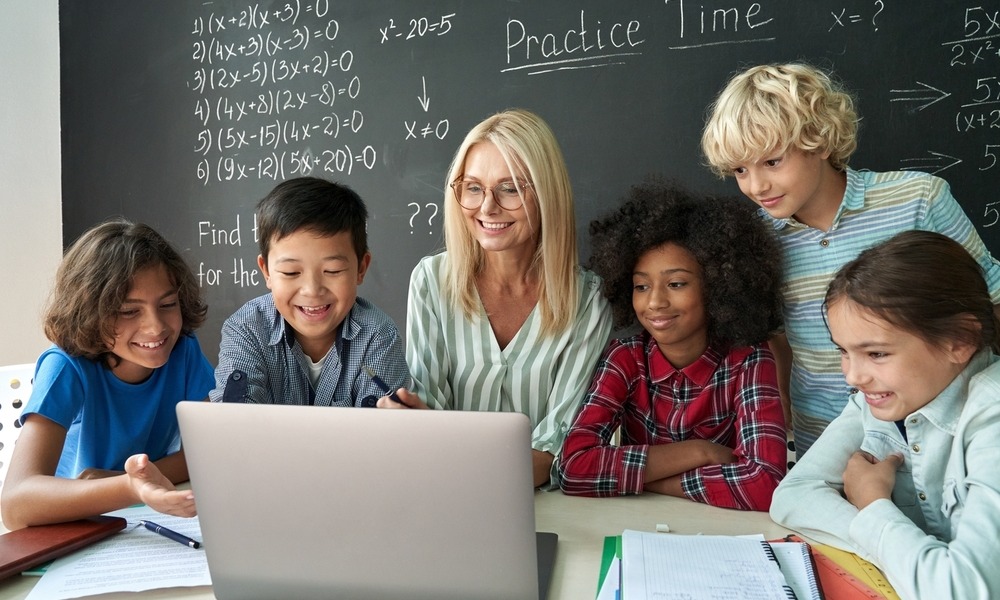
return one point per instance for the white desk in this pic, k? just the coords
(582, 524)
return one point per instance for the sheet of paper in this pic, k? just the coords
(704, 566)
(132, 560)
(611, 586)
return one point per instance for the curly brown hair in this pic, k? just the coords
(739, 257)
(95, 277)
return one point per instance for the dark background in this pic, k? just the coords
(184, 114)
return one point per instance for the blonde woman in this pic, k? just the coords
(505, 319)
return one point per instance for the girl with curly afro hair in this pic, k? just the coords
(694, 393)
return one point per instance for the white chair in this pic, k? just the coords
(15, 388)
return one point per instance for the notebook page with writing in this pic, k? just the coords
(661, 566)
(797, 565)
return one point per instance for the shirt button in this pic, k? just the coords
(824, 243)
(915, 448)
(913, 420)
(237, 376)
(922, 496)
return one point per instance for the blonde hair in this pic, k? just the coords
(770, 108)
(530, 150)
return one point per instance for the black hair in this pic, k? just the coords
(740, 257)
(312, 204)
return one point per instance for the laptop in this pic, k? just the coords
(327, 502)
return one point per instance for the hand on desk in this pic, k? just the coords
(407, 400)
(155, 490)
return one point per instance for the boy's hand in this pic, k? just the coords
(156, 491)
(867, 479)
(407, 400)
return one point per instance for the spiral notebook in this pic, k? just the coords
(797, 565)
(700, 566)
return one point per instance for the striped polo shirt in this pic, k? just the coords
(876, 206)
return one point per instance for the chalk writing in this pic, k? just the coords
(592, 45)
(213, 102)
(933, 163)
(214, 235)
(993, 213)
(921, 96)
(274, 80)
(715, 25)
(209, 234)
(845, 19)
(431, 207)
(978, 41)
(991, 156)
(416, 28)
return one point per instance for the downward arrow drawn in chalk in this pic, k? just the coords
(424, 100)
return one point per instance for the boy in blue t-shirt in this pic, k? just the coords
(100, 432)
(311, 340)
(786, 132)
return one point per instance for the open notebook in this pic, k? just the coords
(714, 566)
(323, 502)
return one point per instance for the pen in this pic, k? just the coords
(169, 533)
(382, 386)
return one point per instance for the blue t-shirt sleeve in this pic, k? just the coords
(200, 375)
(58, 390)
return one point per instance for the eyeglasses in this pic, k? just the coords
(507, 194)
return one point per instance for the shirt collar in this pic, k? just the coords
(700, 371)
(945, 410)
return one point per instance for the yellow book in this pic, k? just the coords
(853, 568)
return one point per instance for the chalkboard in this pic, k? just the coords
(183, 114)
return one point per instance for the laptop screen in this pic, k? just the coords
(316, 502)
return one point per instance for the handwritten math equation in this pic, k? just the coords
(287, 91)
(277, 93)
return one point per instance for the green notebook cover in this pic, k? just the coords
(612, 549)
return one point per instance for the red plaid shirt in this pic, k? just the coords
(728, 399)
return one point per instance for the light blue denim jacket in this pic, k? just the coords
(939, 537)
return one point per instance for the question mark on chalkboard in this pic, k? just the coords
(881, 7)
(431, 218)
(417, 212)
